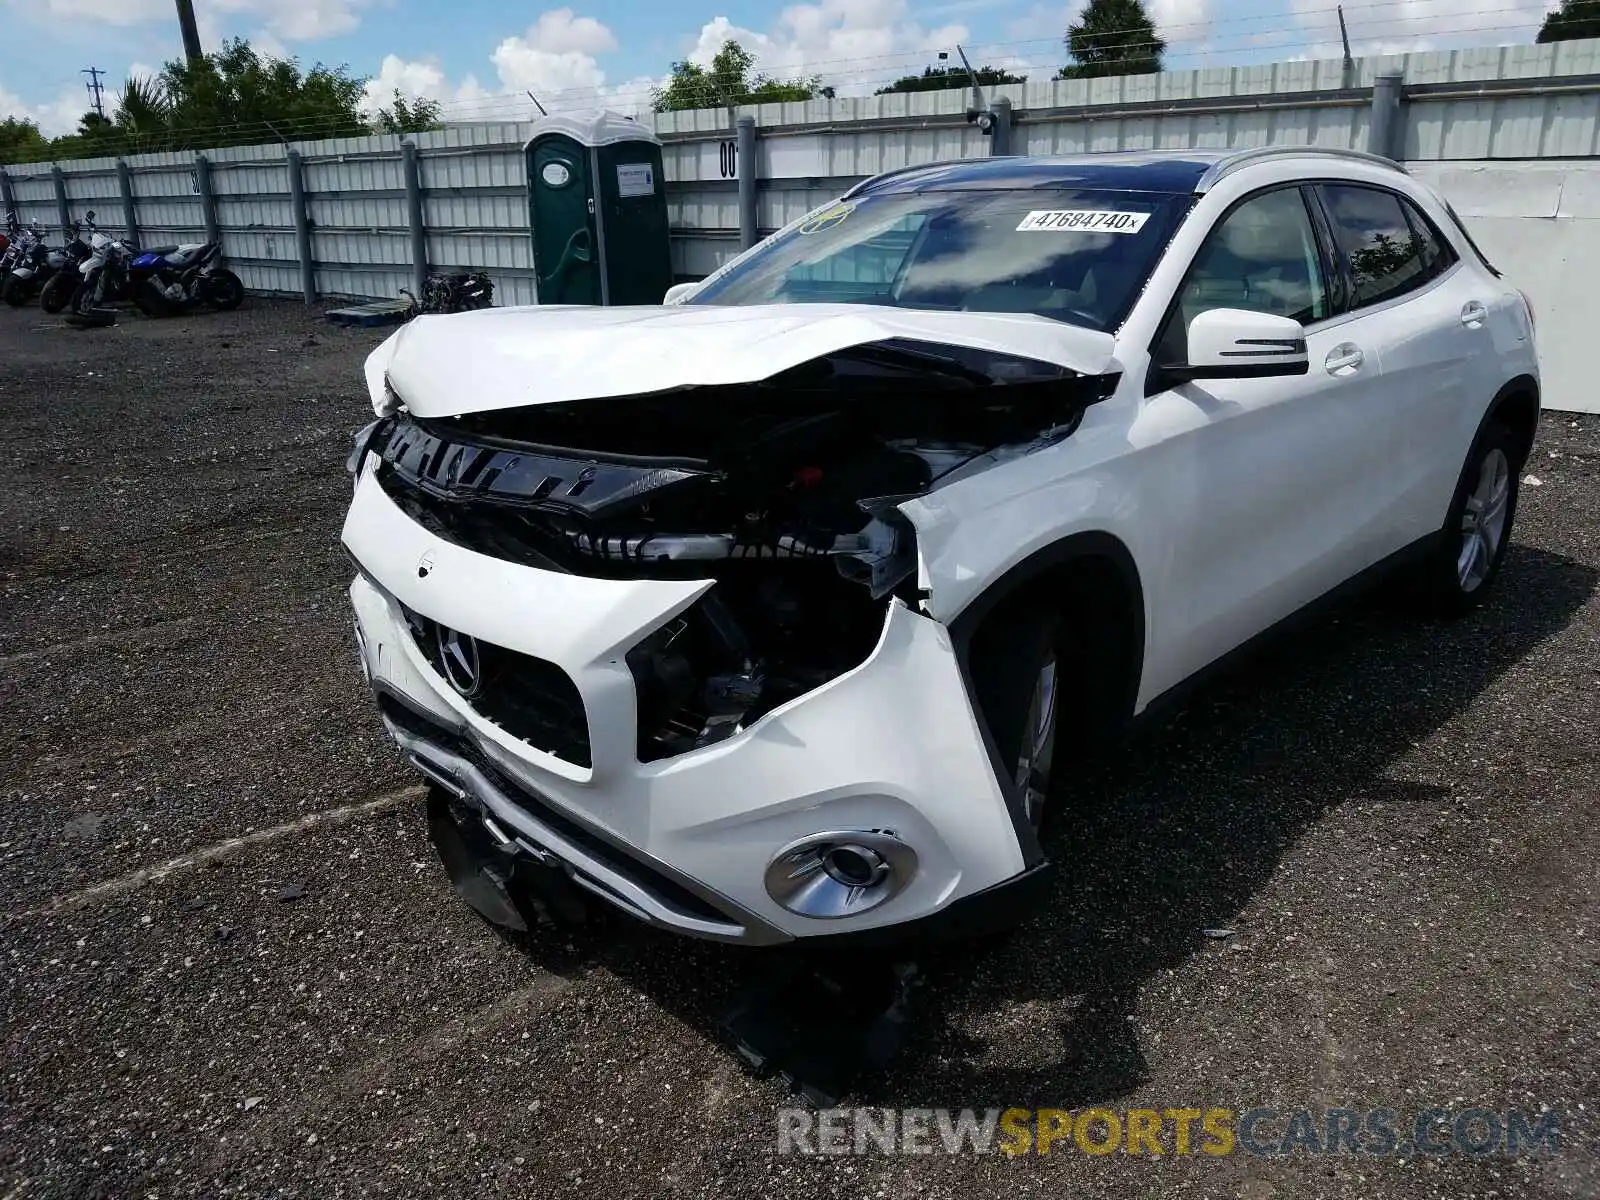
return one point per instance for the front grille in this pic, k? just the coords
(530, 698)
(669, 891)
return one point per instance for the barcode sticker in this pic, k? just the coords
(1059, 220)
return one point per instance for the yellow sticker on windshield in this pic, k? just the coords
(827, 219)
(1082, 220)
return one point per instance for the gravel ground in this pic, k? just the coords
(1395, 821)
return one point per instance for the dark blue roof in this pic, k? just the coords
(1172, 172)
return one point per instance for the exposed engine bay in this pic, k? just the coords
(784, 491)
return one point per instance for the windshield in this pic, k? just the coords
(1070, 254)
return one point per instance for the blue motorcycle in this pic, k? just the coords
(170, 279)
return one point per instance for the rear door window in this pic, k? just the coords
(1388, 247)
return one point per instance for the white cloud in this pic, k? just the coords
(855, 45)
(294, 20)
(111, 12)
(265, 43)
(54, 117)
(414, 80)
(555, 57)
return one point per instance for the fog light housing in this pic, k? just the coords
(840, 874)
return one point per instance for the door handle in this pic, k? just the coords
(1473, 314)
(1344, 358)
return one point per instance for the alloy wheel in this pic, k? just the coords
(1037, 755)
(1483, 522)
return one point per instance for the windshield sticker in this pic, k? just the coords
(1082, 220)
(827, 219)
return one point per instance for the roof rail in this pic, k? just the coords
(1244, 158)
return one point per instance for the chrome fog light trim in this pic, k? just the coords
(840, 874)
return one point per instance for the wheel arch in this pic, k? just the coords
(1094, 567)
(1516, 406)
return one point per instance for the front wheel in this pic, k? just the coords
(83, 297)
(1016, 671)
(15, 292)
(1461, 571)
(225, 291)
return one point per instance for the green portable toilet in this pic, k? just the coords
(598, 211)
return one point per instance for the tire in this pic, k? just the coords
(1460, 572)
(16, 291)
(226, 291)
(83, 297)
(1017, 660)
(57, 293)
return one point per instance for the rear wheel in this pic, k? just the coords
(15, 292)
(1462, 569)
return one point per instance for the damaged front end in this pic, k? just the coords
(785, 491)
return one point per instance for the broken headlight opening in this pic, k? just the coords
(785, 492)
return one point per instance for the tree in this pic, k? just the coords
(95, 136)
(1113, 37)
(1574, 19)
(728, 81)
(935, 79)
(235, 97)
(21, 141)
(415, 116)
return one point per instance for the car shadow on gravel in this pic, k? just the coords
(1172, 838)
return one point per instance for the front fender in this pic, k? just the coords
(976, 532)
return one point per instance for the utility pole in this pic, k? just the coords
(1349, 62)
(190, 31)
(94, 87)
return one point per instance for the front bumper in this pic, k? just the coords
(685, 842)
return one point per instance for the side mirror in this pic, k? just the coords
(1234, 343)
(679, 292)
(90, 214)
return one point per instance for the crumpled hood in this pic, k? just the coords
(443, 366)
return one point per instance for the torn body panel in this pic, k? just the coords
(787, 492)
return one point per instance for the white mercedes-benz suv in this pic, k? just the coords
(777, 612)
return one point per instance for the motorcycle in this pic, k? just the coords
(18, 242)
(58, 289)
(38, 264)
(451, 294)
(174, 278)
(105, 279)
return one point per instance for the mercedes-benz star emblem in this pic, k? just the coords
(458, 658)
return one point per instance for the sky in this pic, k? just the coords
(480, 57)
